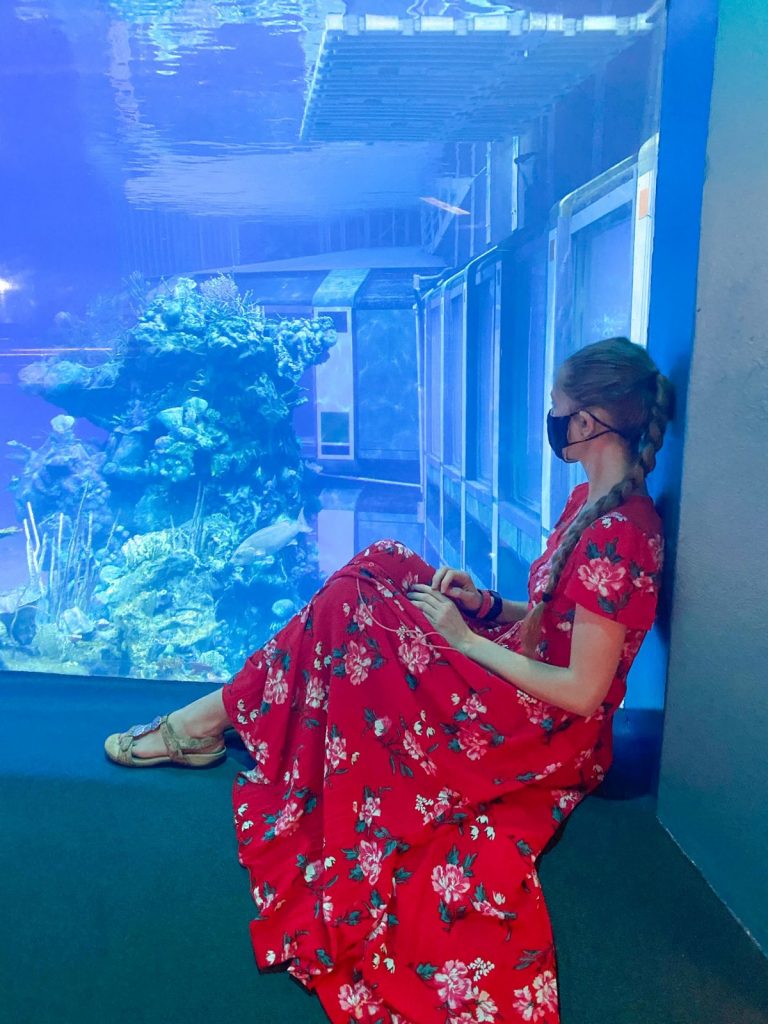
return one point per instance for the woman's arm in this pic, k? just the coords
(596, 645)
(512, 611)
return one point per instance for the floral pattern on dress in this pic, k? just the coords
(614, 570)
(401, 794)
(617, 571)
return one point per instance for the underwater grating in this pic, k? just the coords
(481, 78)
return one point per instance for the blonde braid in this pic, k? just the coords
(661, 413)
(653, 438)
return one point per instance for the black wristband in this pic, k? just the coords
(496, 607)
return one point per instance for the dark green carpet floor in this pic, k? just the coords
(122, 897)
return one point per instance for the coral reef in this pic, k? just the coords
(171, 550)
(58, 473)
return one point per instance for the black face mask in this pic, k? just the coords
(557, 432)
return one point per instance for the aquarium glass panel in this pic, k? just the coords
(521, 407)
(602, 279)
(453, 384)
(223, 223)
(481, 342)
(598, 303)
(434, 391)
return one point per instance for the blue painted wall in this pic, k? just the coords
(713, 788)
(687, 84)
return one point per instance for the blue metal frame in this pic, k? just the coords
(688, 68)
(684, 125)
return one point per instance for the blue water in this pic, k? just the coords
(217, 382)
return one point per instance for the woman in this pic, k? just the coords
(417, 742)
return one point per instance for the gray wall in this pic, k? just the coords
(713, 789)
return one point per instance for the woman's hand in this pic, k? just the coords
(459, 587)
(442, 613)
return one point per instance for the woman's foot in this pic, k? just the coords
(151, 744)
(202, 718)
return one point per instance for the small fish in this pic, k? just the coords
(199, 668)
(8, 531)
(283, 607)
(444, 206)
(76, 622)
(61, 424)
(270, 539)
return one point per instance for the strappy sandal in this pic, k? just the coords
(180, 747)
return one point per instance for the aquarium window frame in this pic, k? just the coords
(339, 319)
(522, 359)
(455, 331)
(617, 192)
(434, 315)
(486, 278)
(630, 181)
(433, 318)
(341, 371)
(583, 266)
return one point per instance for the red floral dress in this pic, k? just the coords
(402, 792)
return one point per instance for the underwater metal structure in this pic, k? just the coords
(468, 79)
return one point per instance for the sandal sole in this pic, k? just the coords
(195, 760)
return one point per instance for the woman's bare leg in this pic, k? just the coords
(203, 717)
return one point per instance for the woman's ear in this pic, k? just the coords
(584, 423)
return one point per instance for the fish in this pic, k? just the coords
(76, 622)
(270, 539)
(448, 207)
(62, 424)
(199, 668)
(283, 607)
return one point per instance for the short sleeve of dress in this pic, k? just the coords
(615, 571)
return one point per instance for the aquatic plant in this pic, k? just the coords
(222, 291)
(55, 611)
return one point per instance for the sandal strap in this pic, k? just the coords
(129, 737)
(173, 741)
(124, 744)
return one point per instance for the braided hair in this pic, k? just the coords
(619, 376)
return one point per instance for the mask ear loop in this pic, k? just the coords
(611, 430)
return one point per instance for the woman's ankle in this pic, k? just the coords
(196, 726)
(204, 717)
